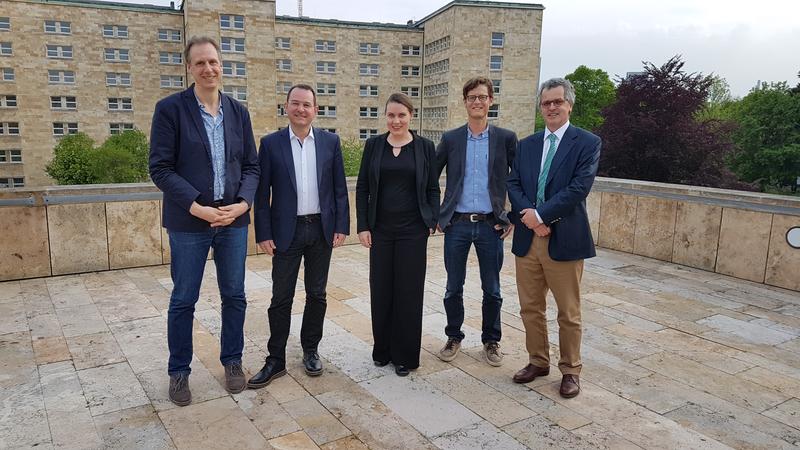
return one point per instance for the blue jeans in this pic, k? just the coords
(189, 253)
(458, 238)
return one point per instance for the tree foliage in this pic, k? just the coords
(122, 158)
(352, 149)
(651, 131)
(594, 90)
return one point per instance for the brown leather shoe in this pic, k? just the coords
(530, 372)
(570, 386)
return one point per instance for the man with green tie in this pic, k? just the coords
(550, 179)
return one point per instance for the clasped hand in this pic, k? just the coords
(219, 217)
(529, 219)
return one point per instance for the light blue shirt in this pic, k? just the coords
(216, 137)
(475, 192)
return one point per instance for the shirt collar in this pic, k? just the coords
(200, 104)
(559, 132)
(293, 136)
(482, 135)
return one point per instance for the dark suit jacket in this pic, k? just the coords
(452, 152)
(276, 198)
(569, 181)
(427, 178)
(180, 159)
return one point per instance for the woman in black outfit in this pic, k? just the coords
(397, 204)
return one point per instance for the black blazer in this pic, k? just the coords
(427, 176)
(452, 152)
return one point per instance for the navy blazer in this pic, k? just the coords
(276, 197)
(452, 152)
(569, 181)
(180, 159)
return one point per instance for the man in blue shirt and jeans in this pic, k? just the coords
(478, 157)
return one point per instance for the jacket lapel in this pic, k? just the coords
(286, 150)
(494, 145)
(319, 149)
(419, 163)
(563, 150)
(461, 155)
(190, 103)
(227, 123)
(377, 157)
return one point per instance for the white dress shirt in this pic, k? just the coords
(305, 170)
(546, 148)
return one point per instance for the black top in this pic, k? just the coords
(398, 211)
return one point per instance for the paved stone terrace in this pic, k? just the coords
(674, 358)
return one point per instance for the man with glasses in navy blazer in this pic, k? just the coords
(203, 158)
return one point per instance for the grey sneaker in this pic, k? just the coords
(234, 378)
(450, 350)
(491, 351)
(179, 391)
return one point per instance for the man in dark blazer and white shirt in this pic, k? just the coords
(552, 175)
(478, 157)
(301, 213)
(203, 157)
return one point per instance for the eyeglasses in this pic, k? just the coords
(557, 103)
(472, 98)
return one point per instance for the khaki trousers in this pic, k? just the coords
(536, 273)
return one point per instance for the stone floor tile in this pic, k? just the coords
(266, 414)
(631, 320)
(538, 432)
(135, 428)
(787, 412)
(36, 297)
(79, 320)
(45, 325)
(68, 414)
(286, 388)
(294, 441)
(212, 424)
(601, 438)
(332, 379)
(122, 303)
(792, 346)
(111, 388)
(493, 406)
(747, 331)
(23, 420)
(351, 355)
(372, 421)
(143, 342)
(403, 395)
(356, 324)
(315, 420)
(481, 435)
(433, 324)
(348, 443)
(202, 384)
(51, 349)
(13, 317)
(17, 359)
(68, 291)
(770, 379)
(93, 350)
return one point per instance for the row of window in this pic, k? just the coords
(329, 67)
(10, 156)
(364, 48)
(108, 30)
(63, 128)
(13, 182)
(112, 78)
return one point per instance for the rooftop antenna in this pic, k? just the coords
(299, 8)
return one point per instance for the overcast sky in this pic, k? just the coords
(742, 41)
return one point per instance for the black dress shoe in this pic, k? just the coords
(312, 364)
(380, 363)
(272, 369)
(401, 371)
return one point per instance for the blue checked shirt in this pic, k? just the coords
(216, 137)
(475, 193)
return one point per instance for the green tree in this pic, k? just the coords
(121, 159)
(71, 160)
(594, 90)
(768, 137)
(352, 149)
(719, 101)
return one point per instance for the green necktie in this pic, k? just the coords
(545, 169)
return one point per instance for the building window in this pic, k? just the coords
(238, 69)
(170, 58)
(63, 102)
(409, 71)
(498, 40)
(326, 88)
(327, 111)
(411, 91)
(61, 77)
(116, 55)
(366, 133)
(59, 51)
(368, 90)
(232, 45)
(281, 110)
(119, 128)
(368, 112)
(436, 112)
(171, 81)
(10, 156)
(120, 104)
(64, 128)
(8, 101)
(115, 31)
(496, 87)
(329, 130)
(496, 63)
(283, 43)
(326, 67)
(442, 66)
(325, 46)
(9, 128)
(118, 79)
(436, 90)
(231, 22)
(411, 50)
(57, 27)
(282, 87)
(437, 46)
(237, 92)
(12, 182)
(6, 74)
(5, 49)
(169, 35)
(368, 69)
(494, 111)
(5, 24)
(369, 48)
(283, 65)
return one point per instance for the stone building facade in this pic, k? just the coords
(99, 67)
